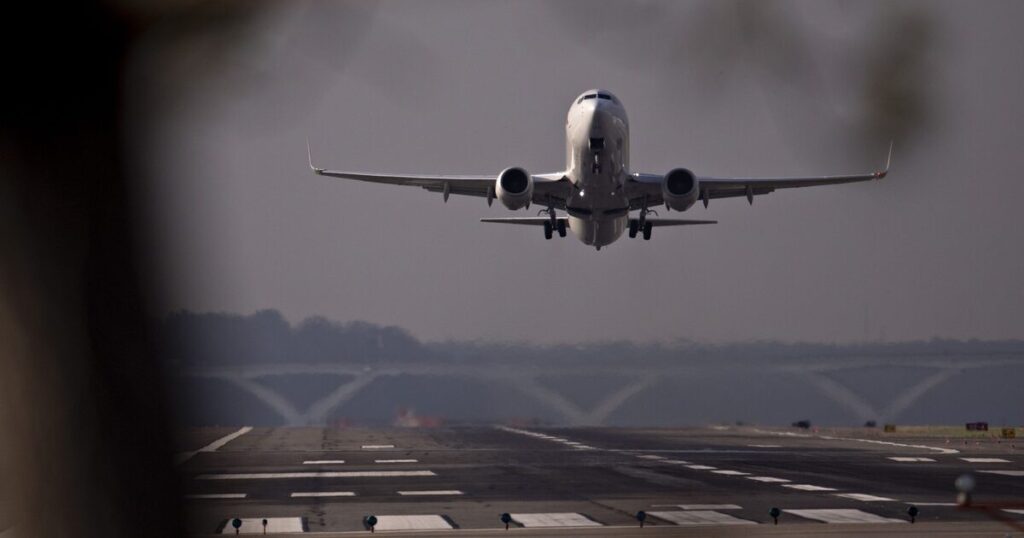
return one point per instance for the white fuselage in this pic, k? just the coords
(597, 164)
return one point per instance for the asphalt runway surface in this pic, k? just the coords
(593, 481)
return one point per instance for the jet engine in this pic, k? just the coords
(680, 189)
(514, 187)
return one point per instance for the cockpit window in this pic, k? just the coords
(587, 96)
(604, 96)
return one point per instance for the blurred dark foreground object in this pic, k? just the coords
(85, 447)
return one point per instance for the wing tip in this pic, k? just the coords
(309, 155)
(888, 160)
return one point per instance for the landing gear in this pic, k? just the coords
(561, 228)
(553, 223)
(634, 225)
(547, 230)
(647, 231)
(641, 224)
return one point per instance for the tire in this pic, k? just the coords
(547, 230)
(647, 231)
(561, 228)
(633, 227)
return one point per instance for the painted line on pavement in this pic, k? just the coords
(554, 519)
(807, 487)
(863, 497)
(324, 494)
(695, 518)
(322, 474)
(212, 447)
(432, 492)
(323, 462)
(841, 515)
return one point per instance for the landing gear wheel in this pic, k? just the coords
(633, 227)
(647, 231)
(547, 230)
(561, 228)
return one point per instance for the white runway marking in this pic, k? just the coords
(710, 506)
(322, 474)
(931, 504)
(432, 492)
(842, 515)
(215, 496)
(985, 460)
(323, 462)
(731, 473)
(375, 447)
(808, 487)
(212, 447)
(555, 519)
(771, 479)
(863, 497)
(1006, 472)
(650, 457)
(324, 494)
(700, 467)
(406, 523)
(910, 459)
(677, 462)
(1014, 511)
(274, 525)
(396, 461)
(700, 517)
(765, 446)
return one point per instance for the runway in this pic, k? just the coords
(581, 481)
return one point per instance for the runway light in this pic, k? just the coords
(912, 511)
(641, 516)
(775, 513)
(237, 524)
(965, 485)
(506, 519)
(371, 521)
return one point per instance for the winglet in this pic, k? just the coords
(309, 153)
(888, 160)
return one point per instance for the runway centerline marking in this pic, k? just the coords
(321, 474)
(863, 497)
(709, 506)
(215, 496)
(554, 519)
(1004, 472)
(324, 494)
(911, 459)
(985, 460)
(432, 492)
(730, 472)
(765, 446)
(376, 447)
(807, 487)
(770, 479)
(695, 518)
(397, 461)
(406, 523)
(841, 515)
(323, 462)
(700, 467)
(212, 447)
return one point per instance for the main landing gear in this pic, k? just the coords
(553, 224)
(641, 224)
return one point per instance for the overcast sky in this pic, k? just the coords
(473, 87)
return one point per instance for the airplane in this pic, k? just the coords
(596, 190)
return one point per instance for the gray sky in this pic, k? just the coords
(474, 87)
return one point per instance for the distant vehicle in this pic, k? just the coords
(596, 189)
(805, 424)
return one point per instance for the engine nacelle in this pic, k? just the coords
(514, 187)
(680, 189)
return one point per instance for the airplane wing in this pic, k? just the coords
(551, 189)
(539, 221)
(648, 186)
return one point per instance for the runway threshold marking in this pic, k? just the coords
(410, 523)
(1017, 511)
(432, 492)
(694, 518)
(321, 474)
(985, 460)
(323, 462)
(908, 459)
(841, 515)
(554, 519)
(769, 479)
(212, 447)
(807, 487)
(215, 496)
(1004, 472)
(710, 506)
(324, 494)
(274, 525)
(863, 497)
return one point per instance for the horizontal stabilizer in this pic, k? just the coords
(676, 222)
(534, 221)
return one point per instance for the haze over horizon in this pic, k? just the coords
(780, 89)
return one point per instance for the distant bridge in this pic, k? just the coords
(636, 379)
